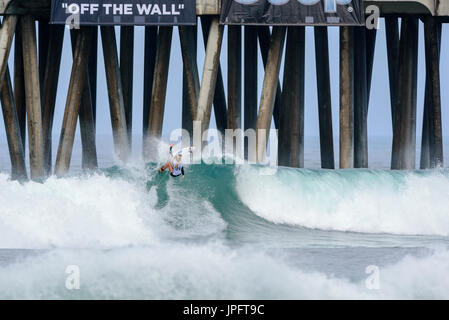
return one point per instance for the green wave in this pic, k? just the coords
(319, 191)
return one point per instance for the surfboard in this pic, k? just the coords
(187, 150)
(183, 151)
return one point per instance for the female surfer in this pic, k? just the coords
(175, 165)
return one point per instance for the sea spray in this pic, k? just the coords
(84, 211)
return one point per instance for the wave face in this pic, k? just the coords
(223, 231)
(370, 201)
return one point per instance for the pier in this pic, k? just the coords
(28, 99)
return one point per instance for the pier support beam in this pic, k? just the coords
(50, 87)
(371, 36)
(151, 35)
(425, 143)
(210, 73)
(12, 128)
(324, 98)
(93, 70)
(291, 131)
(360, 99)
(33, 97)
(346, 98)
(43, 43)
(191, 80)
(392, 37)
(432, 136)
(86, 112)
(250, 84)
(234, 77)
(404, 138)
(127, 72)
(264, 42)
(76, 88)
(6, 35)
(269, 87)
(159, 92)
(219, 96)
(234, 85)
(16, 150)
(19, 82)
(115, 92)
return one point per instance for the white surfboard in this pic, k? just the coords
(183, 151)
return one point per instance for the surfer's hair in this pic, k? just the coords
(178, 158)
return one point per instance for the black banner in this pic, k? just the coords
(119, 12)
(232, 309)
(293, 12)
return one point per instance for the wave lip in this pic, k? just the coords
(366, 201)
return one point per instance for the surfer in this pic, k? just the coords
(174, 165)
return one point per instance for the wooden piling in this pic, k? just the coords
(392, 38)
(269, 87)
(250, 82)
(210, 72)
(371, 35)
(74, 94)
(234, 85)
(87, 128)
(19, 82)
(346, 98)
(159, 91)
(151, 35)
(93, 70)
(425, 139)
(86, 112)
(219, 97)
(234, 77)
(6, 35)
(43, 43)
(264, 36)
(115, 92)
(404, 138)
(50, 87)
(16, 150)
(432, 136)
(324, 98)
(127, 73)
(188, 40)
(291, 131)
(360, 99)
(13, 131)
(33, 97)
(188, 36)
(187, 120)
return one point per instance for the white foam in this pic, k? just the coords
(94, 211)
(210, 272)
(359, 201)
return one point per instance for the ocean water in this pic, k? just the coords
(226, 231)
